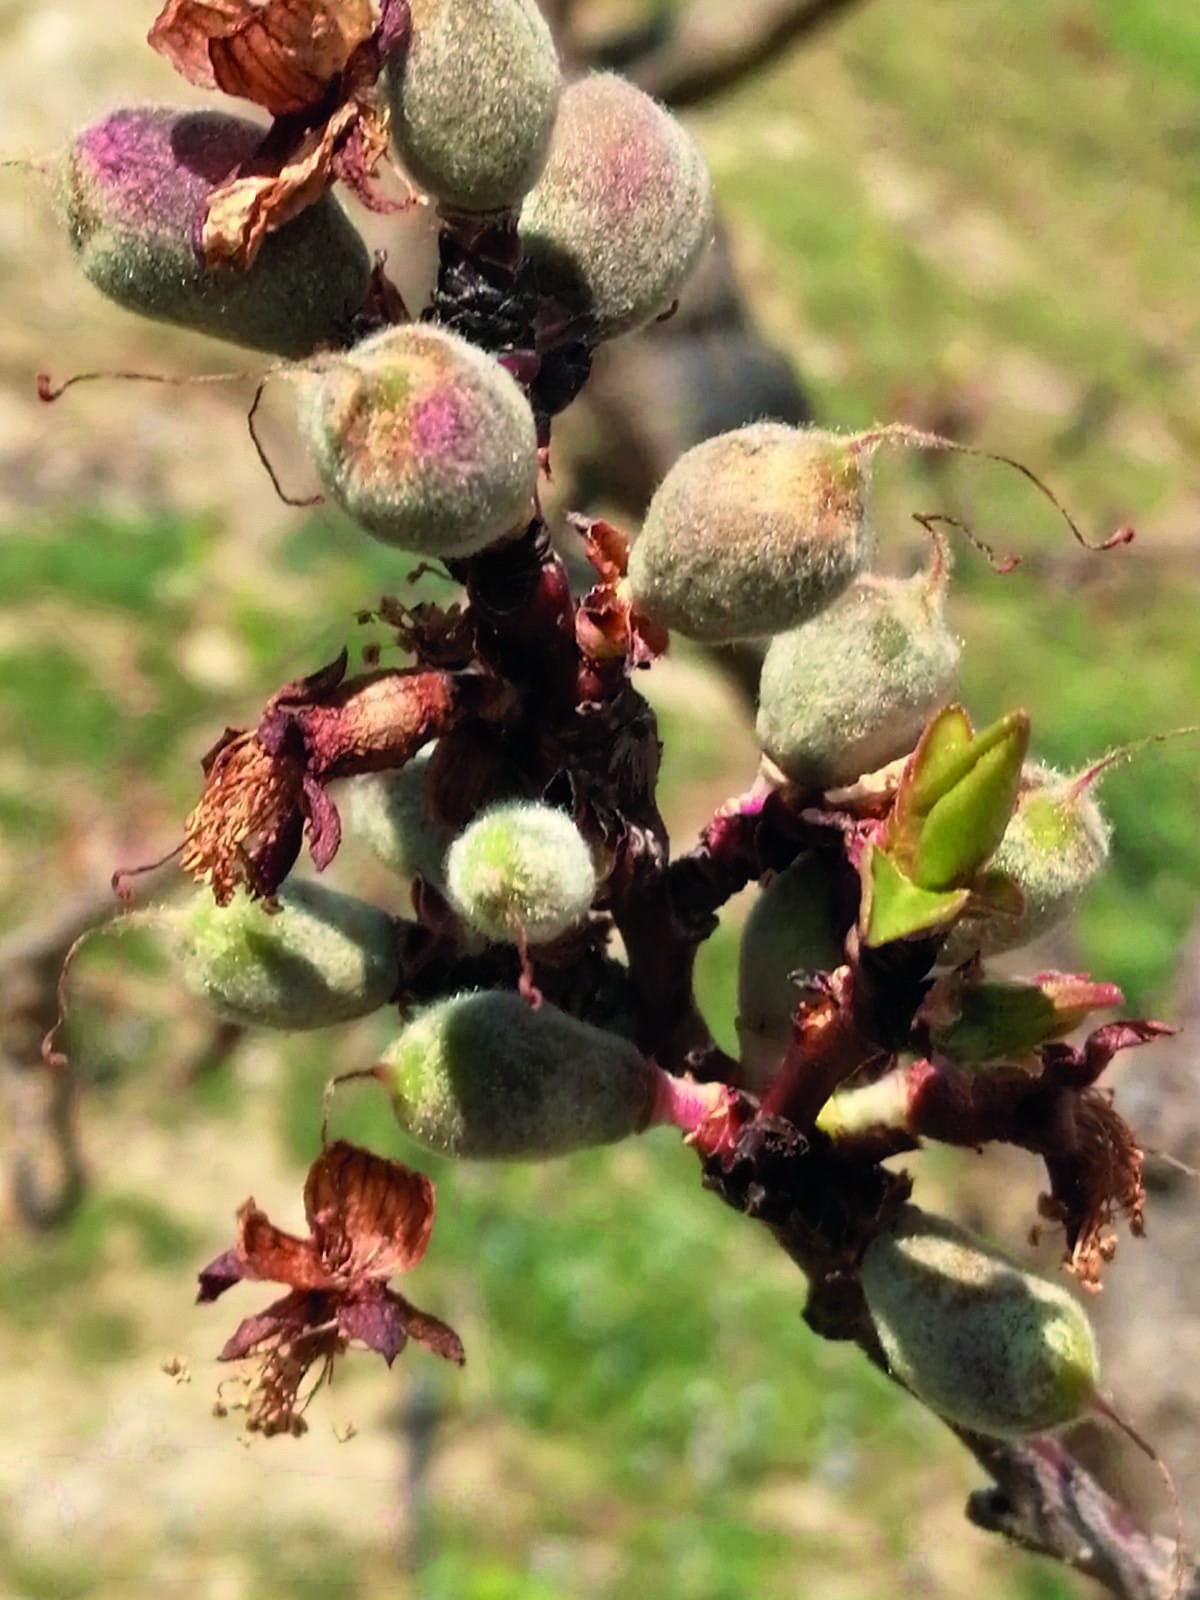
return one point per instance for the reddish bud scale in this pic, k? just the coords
(135, 189)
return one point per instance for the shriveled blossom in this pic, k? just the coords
(313, 64)
(264, 788)
(368, 1219)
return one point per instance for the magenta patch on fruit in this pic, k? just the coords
(156, 167)
(438, 425)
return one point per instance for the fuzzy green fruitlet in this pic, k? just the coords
(473, 95)
(623, 211)
(389, 812)
(752, 533)
(426, 441)
(320, 959)
(852, 689)
(788, 939)
(988, 1345)
(486, 1077)
(521, 870)
(1053, 849)
(134, 189)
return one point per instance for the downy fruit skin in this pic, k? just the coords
(789, 937)
(389, 812)
(473, 97)
(426, 441)
(752, 533)
(979, 1340)
(623, 211)
(1054, 849)
(133, 191)
(484, 1076)
(521, 869)
(323, 958)
(853, 688)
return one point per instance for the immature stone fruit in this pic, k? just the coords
(521, 870)
(134, 188)
(789, 937)
(852, 689)
(984, 1343)
(426, 441)
(486, 1077)
(473, 97)
(752, 532)
(624, 209)
(1054, 848)
(389, 812)
(322, 958)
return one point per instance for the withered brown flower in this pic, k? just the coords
(313, 64)
(368, 1219)
(264, 789)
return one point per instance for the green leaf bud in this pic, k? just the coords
(321, 959)
(521, 870)
(752, 533)
(134, 189)
(979, 1340)
(852, 689)
(389, 812)
(426, 441)
(789, 937)
(484, 1076)
(623, 211)
(473, 96)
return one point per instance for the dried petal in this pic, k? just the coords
(243, 212)
(228, 1268)
(1083, 1065)
(277, 1256)
(291, 1314)
(281, 54)
(247, 828)
(370, 1217)
(436, 1336)
(385, 1321)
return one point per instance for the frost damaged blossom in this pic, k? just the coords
(1055, 1110)
(314, 65)
(263, 788)
(368, 1219)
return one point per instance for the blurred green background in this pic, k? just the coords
(984, 216)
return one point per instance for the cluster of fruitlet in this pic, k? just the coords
(508, 772)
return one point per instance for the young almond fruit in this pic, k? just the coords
(752, 533)
(484, 1076)
(389, 812)
(984, 1343)
(623, 211)
(426, 441)
(473, 95)
(1053, 849)
(852, 689)
(133, 192)
(321, 959)
(790, 936)
(521, 870)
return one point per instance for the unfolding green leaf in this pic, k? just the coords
(896, 908)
